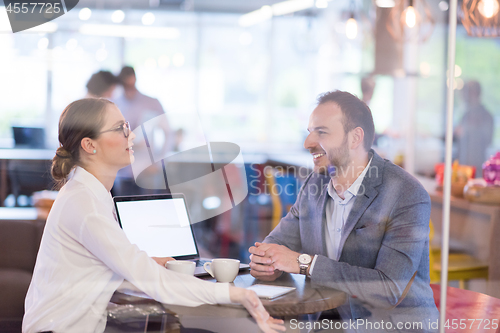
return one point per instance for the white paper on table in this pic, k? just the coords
(269, 292)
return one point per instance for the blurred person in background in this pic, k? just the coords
(102, 84)
(475, 131)
(136, 106)
(367, 88)
(139, 110)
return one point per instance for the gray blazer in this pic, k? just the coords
(385, 247)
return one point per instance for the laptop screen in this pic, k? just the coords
(29, 137)
(157, 224)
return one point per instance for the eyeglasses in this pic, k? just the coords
(125, 128)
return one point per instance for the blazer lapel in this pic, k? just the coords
(321, 217)
(373, 178)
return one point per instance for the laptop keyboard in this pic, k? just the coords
(200, 262)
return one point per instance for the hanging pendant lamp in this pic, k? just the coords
(410, 20)
(481, 18)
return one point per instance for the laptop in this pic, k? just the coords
(159, 224)
(29, 137)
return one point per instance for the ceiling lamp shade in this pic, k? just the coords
(481, 18)
(410, 20)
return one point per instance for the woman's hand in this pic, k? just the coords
(162, 261)
(252, 303)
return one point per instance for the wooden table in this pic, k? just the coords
(304, 300)
(478, 312)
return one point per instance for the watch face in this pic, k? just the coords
(304, 259)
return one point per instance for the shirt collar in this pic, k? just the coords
(90, 181)
(353, 190)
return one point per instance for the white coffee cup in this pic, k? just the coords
(223, 270)
(181, 266)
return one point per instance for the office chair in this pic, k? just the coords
(27, 177)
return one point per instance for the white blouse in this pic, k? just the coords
(84, 256)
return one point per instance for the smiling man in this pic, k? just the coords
(360, 224)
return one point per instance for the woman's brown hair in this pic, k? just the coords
(83, 118)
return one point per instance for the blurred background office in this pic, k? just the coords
(249, 72)
(250, 80)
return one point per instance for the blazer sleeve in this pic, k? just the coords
(287, 232)
(398, 259)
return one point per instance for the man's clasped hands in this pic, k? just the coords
(269, 261)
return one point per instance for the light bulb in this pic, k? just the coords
(148, 18)
(351, 28)
(118, 16)
(410, 16)
(84, 14)
(488, 8)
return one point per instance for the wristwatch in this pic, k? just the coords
(304, 261)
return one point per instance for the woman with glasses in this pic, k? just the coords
(84, 256)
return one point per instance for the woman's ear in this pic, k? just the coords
(88, 146)
(357, 137)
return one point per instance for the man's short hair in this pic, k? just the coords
(100, 82)
(356, 113)
(126, 72)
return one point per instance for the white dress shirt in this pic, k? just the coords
(84, 256)
(337, 211)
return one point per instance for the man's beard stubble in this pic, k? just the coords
(339, 158)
